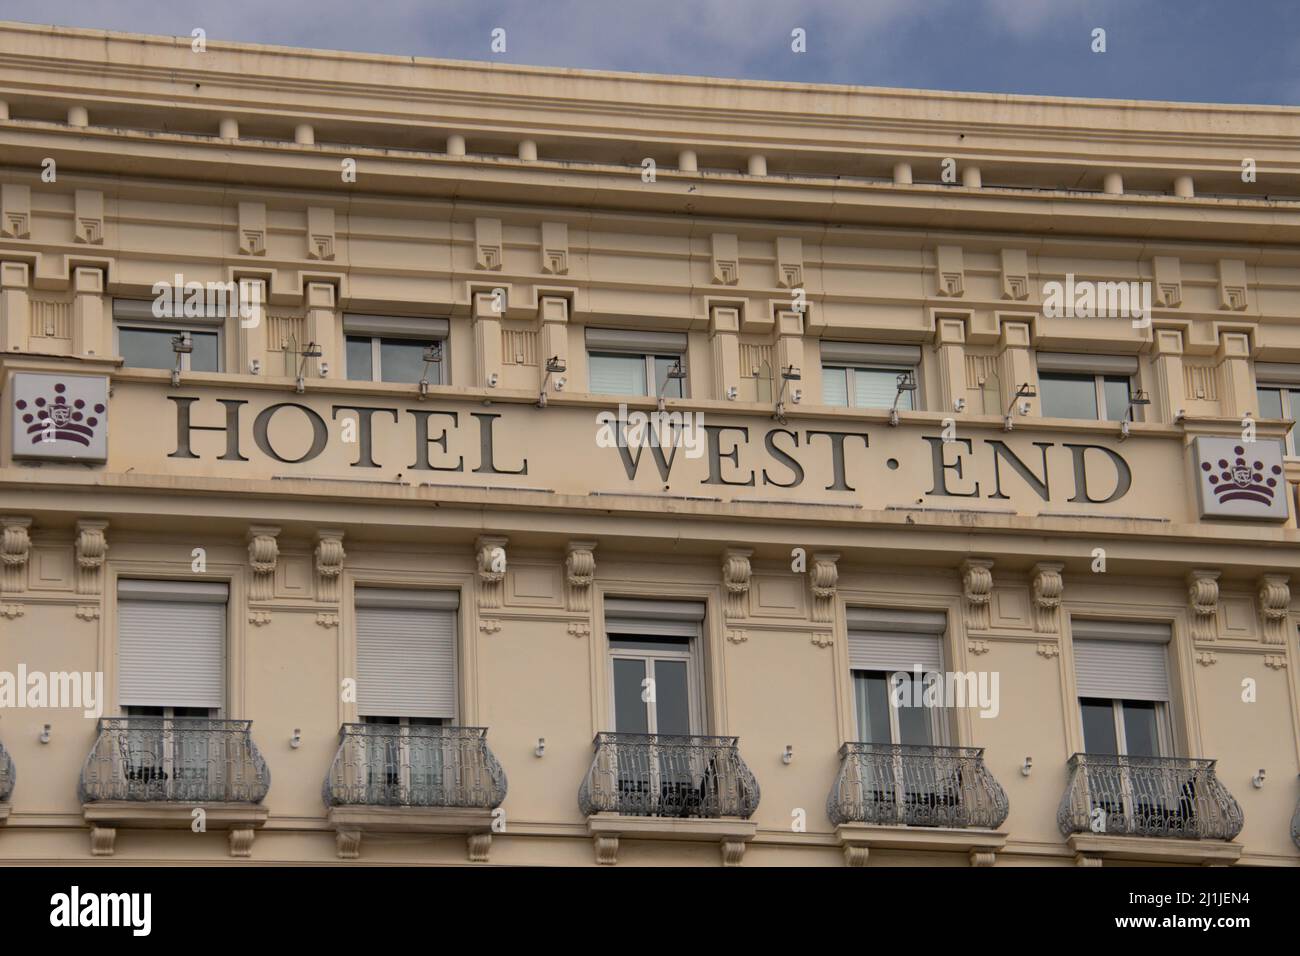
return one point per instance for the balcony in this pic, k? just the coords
(7, 778)
(161, 772)
(420, 779)
(893, 796)
(662, 787)
(1148, 808)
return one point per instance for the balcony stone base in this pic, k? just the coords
(1091, 849)
(730, 833)
(239, 819)
(859, 839)
(350, 823)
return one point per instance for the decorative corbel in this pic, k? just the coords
(1274, 606)
(329, 564)
(15, 549)
(92, 549)
(977, 588)
(263, 552)
(1203, 600)
(1048, 587)
(822, 577)
(736, 573)
(579, 573)
(491, 552)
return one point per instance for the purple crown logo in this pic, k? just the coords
(46, 417)
(1242, 480)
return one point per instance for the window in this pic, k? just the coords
(624, 362)
(656, 688)
(395, 349)
(857, 375)
(1088, 387)
(1279, 396)
(406, 681)
(171, 681)
(145, 342)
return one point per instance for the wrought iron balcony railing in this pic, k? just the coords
(652, 775)
(7, 775)
(174, 760)
(1176, 797)
(385, 765)
(916, 786)
(1295, 826)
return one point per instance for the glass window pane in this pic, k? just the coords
(359, 359)
(672, 703)
(1116, 390)
(630, 714)
(915, 724)
(1270, 402)
(1068, 396)
(871, 698)
(668, 388)
(876, 388)
(1289, 410)
(1141, 737)
(835, 390)
(1098, 725)
(204, 357)
(402, 360)
(147, 348)
(616, 374)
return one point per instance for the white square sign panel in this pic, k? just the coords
(59, 417)
(1239, 479)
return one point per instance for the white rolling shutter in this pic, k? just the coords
(406, 653)
(171, 643)
(894, 640)
(1121, 670)
(647, 618)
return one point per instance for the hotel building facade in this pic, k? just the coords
(407, 461)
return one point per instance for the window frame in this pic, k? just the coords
(1099, 380)
(650, 656)
(650, 370)
(850, 389)
(1284, 399)
(939, 726)
(170, 327)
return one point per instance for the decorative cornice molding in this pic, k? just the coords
(977, 590)
(1048, 586)
(1203, 602)
(736, 575)
(92, 551)
(579, 573)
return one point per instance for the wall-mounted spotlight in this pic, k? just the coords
(906, 383)
(788, 755)
(1181, 417)
(541, 747)
(554, 366)
(1258, 779)
(959, 405)
(182, 345)
(432, 356)
(296, 740)
(45, 734)
(788, 374)
(310, 351)
(254, 366)
(1027, 767)
(492, 380)
(1022, 396)
(1137, 398)
(676, 373)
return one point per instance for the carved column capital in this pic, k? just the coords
(1274, 606)
(823, 576)
(1048, 586)
(977, 590)
(736, 573)
(490, 565)
(92, 552)
(329, 564)
(579, 573)
(15, 550)
(263, 553)
(1203, 601)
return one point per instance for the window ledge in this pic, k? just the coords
(351, 822)
(1092, 848)
(859, 839)
(731, 833)
(105, 817)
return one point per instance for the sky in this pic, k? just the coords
(1221, 51)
